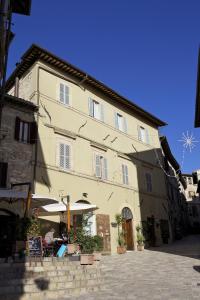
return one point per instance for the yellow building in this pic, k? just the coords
(94, 145)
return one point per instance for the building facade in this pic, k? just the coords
(17, 154)
(95, 146)
(193, 201)
(176, 189)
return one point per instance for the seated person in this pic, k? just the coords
(49, 236)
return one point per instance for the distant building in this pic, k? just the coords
(176, 186)
(193, 200)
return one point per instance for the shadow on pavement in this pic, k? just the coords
(189, 246)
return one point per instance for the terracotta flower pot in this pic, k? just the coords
(87, 259)
(140, 247)
(71, 248)
(121, 249)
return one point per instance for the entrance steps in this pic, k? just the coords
(51, 278)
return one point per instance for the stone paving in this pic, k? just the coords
(169, 273)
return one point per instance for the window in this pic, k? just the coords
(96, 110)
(148, 182)
(120, 122)
(64, 156)
(189, 180)
(64, 94)
(143, 135)
(25, 132)
(125, 174)
(101, 168)
(3, 174)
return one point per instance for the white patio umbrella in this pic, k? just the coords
(12, 195)
(76, 208)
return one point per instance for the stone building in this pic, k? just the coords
(193, 201)
(176, 189)
(17, 155)
(94, 145)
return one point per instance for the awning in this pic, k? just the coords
(12, 195)
(77, 208)
(8, 193)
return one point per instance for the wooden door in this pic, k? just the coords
(128, 233)
(103, 229)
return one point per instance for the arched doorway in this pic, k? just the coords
(128, 227)
(7, 232)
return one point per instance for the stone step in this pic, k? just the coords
(62, 278)
(65, 287)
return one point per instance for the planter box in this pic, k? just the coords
(140, 247)
(87, 259)
(97, 255)
(71, 248)
(121, 249)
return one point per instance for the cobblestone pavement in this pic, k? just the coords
(167, 273)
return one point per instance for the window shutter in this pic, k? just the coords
(116, 121)
(62, 156)
(90, 106)
(125, 125)
(105, 169)
(97, 165)
(3, 174)
(62, 92)
(66, 94)
(123, 174)
(67, 157)
(126, 174)
(33, 132)
(147, 136)
(17, 128)
(102, 112)
(139, 133)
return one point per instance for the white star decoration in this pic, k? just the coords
(188, 141)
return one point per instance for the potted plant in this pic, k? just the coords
(87, 249)
(25, 227)
(98, 247)
(140, 238)
(120, 239)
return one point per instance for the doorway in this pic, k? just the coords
(7, 232)
(127, 227)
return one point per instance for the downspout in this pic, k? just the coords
(37, 136)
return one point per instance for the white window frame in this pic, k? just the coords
(103, 174)
(120, 122)
(143, 134)
(96, 114)
(125, 177)
(148, 181)
(66, 143)
(65, 95)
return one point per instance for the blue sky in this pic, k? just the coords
(145, 50)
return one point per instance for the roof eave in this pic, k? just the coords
(35, 53)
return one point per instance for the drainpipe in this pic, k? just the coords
(36, 142)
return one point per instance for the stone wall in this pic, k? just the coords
(18, 155)
(52, 278)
